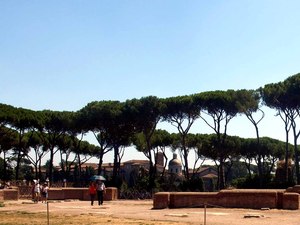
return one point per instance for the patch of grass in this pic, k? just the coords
(27, 218)
(2, 204)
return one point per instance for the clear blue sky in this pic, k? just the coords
(61, 55)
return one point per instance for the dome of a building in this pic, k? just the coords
(175, 165)
(174, 161)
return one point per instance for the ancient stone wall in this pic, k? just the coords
(255, 199)
(61, 194)
(192, 199)
(237, 198)
(291, 201)
(9, 194)
(79, 193)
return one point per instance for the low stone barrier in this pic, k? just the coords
(79, 193)
(243, 198)
(9, 194)
(161, 200)
(192, 199)
(57, 194)
(237, 198)
(73, 193)
(291, 201)
(111, 194)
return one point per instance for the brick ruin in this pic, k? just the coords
(235, 198)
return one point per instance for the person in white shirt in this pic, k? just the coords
(100, 190)
(45, 189)
(36, 191)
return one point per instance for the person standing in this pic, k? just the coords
(92, 191)
(100, 190)
(45, 189)
(37, 191)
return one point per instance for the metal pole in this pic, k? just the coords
(48, 213)
(204, 214)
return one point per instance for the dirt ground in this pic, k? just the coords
(141, 212)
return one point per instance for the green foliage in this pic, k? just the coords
(26, 172)
(253, 182)
(8, 173)
(194, 184)
(170, 183)
(142, 183)
(236, 170)
(115, 123)
(239, 182)
(123, 187)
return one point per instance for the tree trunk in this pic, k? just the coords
(79, 167)
(51, 165)
(186, 165)
(297, 161)
(152, 173)
(100, 164)
(221, 174)
(18, 164)
(296, 152)
(286, 164)
(248, 166)
(116, 165)
(4, 166)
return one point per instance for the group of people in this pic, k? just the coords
(97, 188)
(39, 192)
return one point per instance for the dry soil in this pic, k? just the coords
(138, 212)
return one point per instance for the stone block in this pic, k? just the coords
(1, 195)
(192, 199)
(73, 193)
(280, 199)
(110, 194)
(161, 200)
(56, 194)
(86, 195)
(291, 201)
(9, 194)
(243, 198)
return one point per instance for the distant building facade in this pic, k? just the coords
(130, 170)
